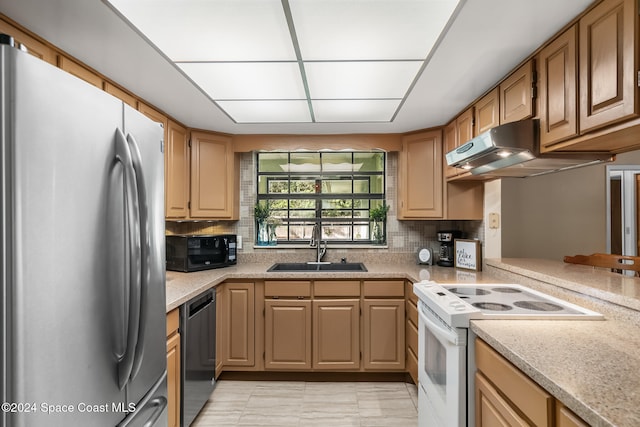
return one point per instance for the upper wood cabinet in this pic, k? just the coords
(29, 44)
(457, 133)
(214, 177)
(80, 71)
(450, 144)
(125, 97)
(420, 176)
(464, 127)
(176, 175)
(608, 58)
(517, 94)
(487, 112)
(558, 89)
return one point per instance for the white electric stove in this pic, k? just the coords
(446, 359)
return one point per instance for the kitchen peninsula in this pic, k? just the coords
(590, 366)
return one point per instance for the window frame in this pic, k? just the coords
(352, 222)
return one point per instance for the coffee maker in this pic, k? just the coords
(446, 252)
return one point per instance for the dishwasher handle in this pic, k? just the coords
(200, 304)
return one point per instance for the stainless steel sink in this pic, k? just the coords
(314, 266)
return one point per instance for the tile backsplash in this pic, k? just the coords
(403, 237)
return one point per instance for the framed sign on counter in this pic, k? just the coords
(468, 254)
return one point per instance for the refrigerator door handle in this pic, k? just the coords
(150, 400)
(145, 254)
(123, 155)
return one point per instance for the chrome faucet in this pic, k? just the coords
(316, 242)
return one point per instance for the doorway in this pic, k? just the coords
(623, 205)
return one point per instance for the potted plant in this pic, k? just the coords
(261, 212)
(378, 216)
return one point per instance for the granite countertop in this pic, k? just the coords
(181, 287)
(593, 367)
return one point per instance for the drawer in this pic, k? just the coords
(336, 288)
(173, 321)
(384, 288)
(412, 337)
(410, 295)
(412, 312)
(287, 288)
(529, 397)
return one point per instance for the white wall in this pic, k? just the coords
(554, 215)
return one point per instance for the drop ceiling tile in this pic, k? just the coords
(247, 80)
(267, 111)
(348, 29)
(355, 110)
(213, 30)
(348, 80)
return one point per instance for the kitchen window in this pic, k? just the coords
(337, 190)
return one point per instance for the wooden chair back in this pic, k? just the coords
(616, 263)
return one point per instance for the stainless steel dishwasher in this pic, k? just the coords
(198, 329)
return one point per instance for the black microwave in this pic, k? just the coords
(193, 253)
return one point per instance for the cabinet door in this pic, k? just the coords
(516, 95)
(173, 380)
(607, 64)
(420, 176)
(384, 340)
(487, 112)
(464, 127)
(287, 333)
(566, 418)
(176, 175)
(239, 322)
(558, 90)
(492, 410)
(336, 334)
(214, 177)
(450, 144)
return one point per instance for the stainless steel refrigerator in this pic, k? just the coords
(82, 234)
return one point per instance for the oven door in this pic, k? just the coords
(442, 370)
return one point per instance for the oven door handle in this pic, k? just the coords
(441, 332)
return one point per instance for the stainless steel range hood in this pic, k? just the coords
(513, 150)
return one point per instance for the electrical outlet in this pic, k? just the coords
(239, 242)
(494, 220)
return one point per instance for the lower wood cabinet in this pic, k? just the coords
(566, 418)
(411, 332)
(238, 338)
(173, 368)
(336, 334)
(319, 325)
(287, 334)
(504, 396)
(384, 344)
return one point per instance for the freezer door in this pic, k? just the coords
(62, 309)
(151, 411)
(145, 139)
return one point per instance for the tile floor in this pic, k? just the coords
(300, 403)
